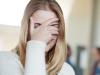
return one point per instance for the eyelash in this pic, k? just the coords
(36, 25)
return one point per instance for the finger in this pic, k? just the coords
(55, 22)
(50, 28)
(54, 32)
(55, 25)
(54, 37)
(46, 23)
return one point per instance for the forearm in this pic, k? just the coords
(35, 58)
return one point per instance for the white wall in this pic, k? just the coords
(9, 36)
(80, 23)
(97, 24)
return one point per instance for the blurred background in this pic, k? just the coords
(82, 18)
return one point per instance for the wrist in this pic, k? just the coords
(37, 43)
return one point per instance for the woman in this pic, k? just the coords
(41, 48)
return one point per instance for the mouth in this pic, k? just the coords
(53, 40)
(50, 41)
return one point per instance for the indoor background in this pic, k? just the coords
(82, 19)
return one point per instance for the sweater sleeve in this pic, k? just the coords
(35, 58)
(66, 70)
(34, 64)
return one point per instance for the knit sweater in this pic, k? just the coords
(34, 63)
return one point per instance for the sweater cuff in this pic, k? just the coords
(37, 44)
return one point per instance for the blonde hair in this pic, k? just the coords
(57, 55)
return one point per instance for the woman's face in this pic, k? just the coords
(41, 16)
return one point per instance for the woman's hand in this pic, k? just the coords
(46, 31)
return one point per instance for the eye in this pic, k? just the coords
(55, 24)
(36, 25)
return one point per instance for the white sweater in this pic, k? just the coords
(34, 64)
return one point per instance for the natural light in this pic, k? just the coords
(11, 11)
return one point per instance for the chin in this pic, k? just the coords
(50, 45)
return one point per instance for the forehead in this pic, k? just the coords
(41, 16)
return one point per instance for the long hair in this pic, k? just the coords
(57, 55)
